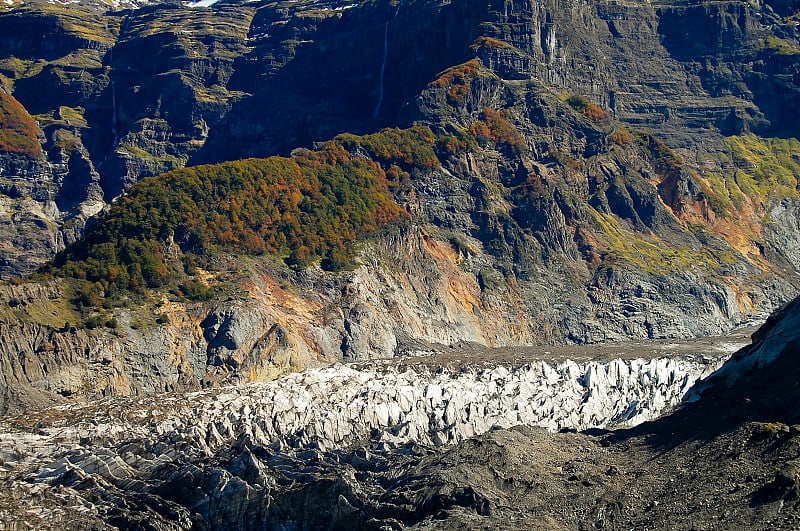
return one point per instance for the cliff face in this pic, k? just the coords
(605, 171)
(150, 89)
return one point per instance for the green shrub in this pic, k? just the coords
(195, 290)
(313, 206)
(587, 108)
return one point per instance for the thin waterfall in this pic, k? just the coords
(383, 62)
(114, 132)
(114, 113)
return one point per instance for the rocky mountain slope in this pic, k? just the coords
(568, 173)
(206, 197)
(384, 448)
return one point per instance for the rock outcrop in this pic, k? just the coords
(760, 379)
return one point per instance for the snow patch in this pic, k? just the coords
(200, 3)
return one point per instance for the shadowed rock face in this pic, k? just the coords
(761, 380)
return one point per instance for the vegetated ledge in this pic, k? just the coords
(18, 130)
(314, 205)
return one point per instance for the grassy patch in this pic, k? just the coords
(780, 46)
(171, 161)
(64, 117)
(650, 253)
(222, 24)
(72, 116)
(18, 130)
(212, 94)
(76, 21)
(719, 196)
(13, 67)
(766, 166)
(55, 312)
(81, 58)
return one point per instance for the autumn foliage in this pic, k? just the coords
(314, 205)
(409, 148)
(593, 112)
(493, 127)
(620, 137)
(488, 42)
(401, 152)
(18, 131)
(457, 80)
(664, 159)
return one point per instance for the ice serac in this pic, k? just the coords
(395, 445)
(157, 446)
(336, 406)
